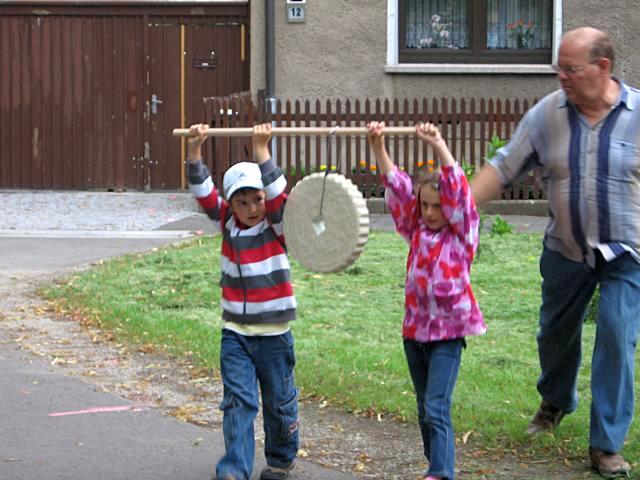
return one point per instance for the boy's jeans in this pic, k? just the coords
(434, 370)
(244, 361)
(567, 287)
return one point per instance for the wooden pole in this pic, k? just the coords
(293, 131)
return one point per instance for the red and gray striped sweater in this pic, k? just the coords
(256, 277)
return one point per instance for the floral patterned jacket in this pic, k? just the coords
(439, 303)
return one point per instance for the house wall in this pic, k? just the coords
(341, 52)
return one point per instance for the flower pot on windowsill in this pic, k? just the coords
(522, 42)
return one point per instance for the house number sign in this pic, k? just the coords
(296, 11)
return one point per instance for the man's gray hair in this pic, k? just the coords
(602, 47)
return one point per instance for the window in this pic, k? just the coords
(477, 32)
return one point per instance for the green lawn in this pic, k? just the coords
(348, 334)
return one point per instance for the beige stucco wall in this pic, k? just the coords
(621, 19)
(341, 52)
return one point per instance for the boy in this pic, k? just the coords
(257, 303)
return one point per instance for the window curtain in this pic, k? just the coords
(436, 24)
(519, 24)
(512, 24)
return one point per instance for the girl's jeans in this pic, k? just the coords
(434, 370)
(567, 288)
(245, 361)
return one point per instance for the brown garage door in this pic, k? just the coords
(89, 94)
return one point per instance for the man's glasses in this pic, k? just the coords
(570, 69)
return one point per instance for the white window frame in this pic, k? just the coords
(393, 66)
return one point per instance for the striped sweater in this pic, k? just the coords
(256, 279)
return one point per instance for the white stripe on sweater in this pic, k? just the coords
(276, 187)
(202, 190)
(271, 264)
(278, 304)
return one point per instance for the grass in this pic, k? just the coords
(348, 334)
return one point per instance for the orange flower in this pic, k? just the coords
(373, 168)
(420, 163)
(431, 161)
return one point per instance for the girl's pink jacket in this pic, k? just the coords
(439, 303)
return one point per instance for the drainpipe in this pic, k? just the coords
(270, 56)
(269, 19)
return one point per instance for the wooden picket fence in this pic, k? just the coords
(467, 125)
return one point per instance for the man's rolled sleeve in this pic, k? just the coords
(514, 160)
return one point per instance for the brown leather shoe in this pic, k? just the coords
(546, 418)
(609, 465)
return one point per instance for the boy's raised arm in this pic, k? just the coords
(195, 141)
(260, 137)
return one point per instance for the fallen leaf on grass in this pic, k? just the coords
(198, 372)
(199, 380)
(364, 457)
(466, 436)
(337, 428)
(485, 471)
(186, 413)
(64, 361)
(147, 348)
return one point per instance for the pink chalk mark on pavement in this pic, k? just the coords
(133, 408)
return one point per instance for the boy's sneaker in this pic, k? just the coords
(546, 418)
(275, 473)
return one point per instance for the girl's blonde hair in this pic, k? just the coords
(430, 178)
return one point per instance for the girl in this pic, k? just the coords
(440, 222)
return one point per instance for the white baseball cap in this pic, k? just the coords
(241, 175)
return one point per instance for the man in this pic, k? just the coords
(585, 137)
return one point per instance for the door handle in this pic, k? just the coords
(154, 103)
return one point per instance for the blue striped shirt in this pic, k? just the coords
(591, 173)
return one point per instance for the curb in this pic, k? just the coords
(146, 234)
